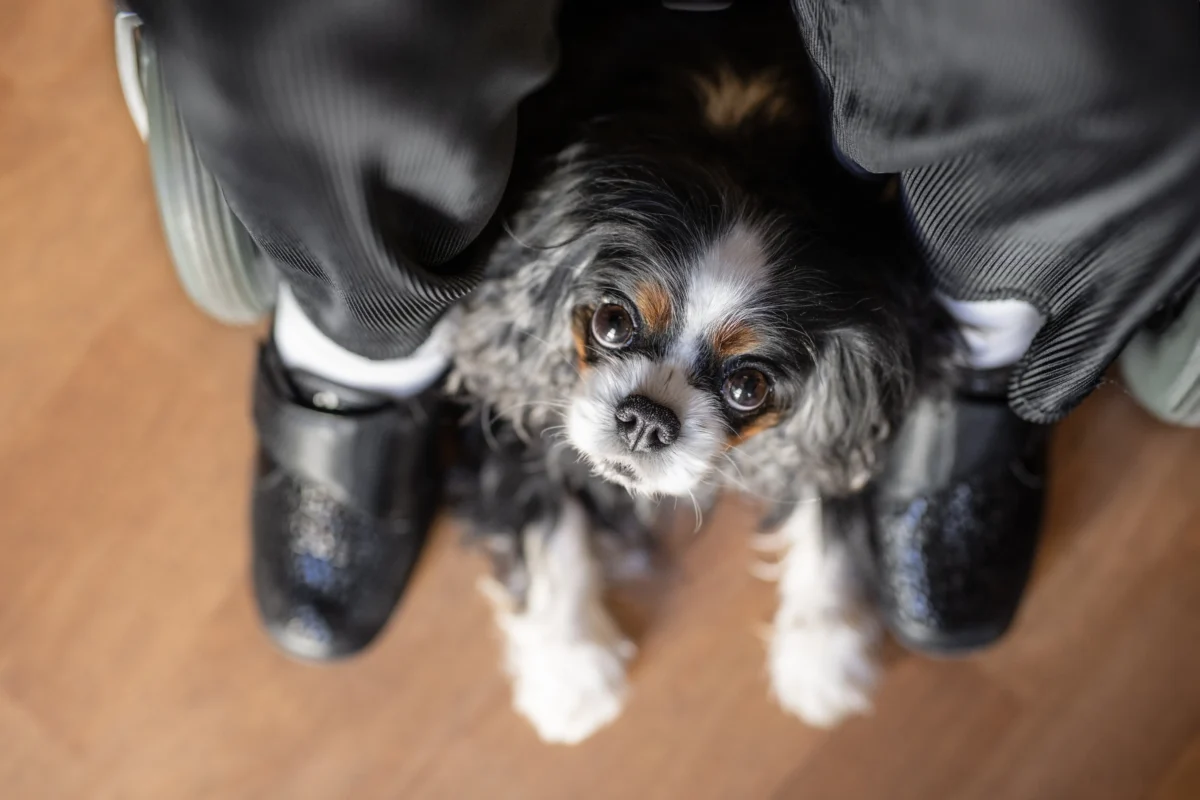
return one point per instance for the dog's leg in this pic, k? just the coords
(821, 651)
(563, 652)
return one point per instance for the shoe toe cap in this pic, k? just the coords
(326, 577)
(307, 631)
(955, 565)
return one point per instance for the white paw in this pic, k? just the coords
(568, 689)
(823, 670)
(565, 655)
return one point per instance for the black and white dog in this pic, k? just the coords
(691, 295)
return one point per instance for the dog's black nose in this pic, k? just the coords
(644, 425)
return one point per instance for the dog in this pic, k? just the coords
(690, 294)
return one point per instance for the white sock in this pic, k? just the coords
(997, 332)
(302, 346)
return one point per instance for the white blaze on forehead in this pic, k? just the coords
(723, 287)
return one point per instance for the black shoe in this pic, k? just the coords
(956, 517)
(344, 494)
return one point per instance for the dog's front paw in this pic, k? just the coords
(569, 689)
(823, 669)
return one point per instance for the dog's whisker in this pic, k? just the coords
(736, 467)
(534, 404)
(741, 487)
(546, 403)
(699, 513)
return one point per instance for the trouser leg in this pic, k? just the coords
(1048, 150)
(364, 145)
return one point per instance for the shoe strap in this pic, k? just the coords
(357, 457)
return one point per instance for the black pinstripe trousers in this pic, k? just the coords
(1049, 150)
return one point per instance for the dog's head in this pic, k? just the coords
(695, 336)
(721, 323)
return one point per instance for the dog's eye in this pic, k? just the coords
(612, 326)
(746, 389)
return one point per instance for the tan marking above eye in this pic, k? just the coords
(729, 99)
(761, 423)
(654, 304)
(734, 339)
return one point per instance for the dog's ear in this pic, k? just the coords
(531, 275)
(861, 379)
(514, 347)
(532, 290)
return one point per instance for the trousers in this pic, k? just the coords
(1047, 150)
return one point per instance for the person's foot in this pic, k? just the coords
(344, 492)
(956, 516)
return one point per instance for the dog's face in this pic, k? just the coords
(683, 355)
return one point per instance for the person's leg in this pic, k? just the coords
(365, 146)
(1048, 153)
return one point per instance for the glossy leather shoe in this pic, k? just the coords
(956, 516)
(343, 496)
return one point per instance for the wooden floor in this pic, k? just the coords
(131, 664)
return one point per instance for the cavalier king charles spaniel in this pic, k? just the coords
(689, 294)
